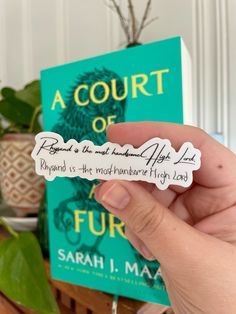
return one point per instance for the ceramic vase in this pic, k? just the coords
(21, 187)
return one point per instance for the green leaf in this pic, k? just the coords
(22, 275)
(7, 92)
(21, 108)
(30, 94)
(16, 111)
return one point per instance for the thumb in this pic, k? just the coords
(168, 239)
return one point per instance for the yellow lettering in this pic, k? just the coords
(118, 226)
(114, 89)
(140, 85)
(95, 124)
(106, 92)
(115, 227)
(78, 219)
(91, 193)
(102, 223)
(58, 99)
(159, 79)
(99, 124)
(76, 95)
(110, 120)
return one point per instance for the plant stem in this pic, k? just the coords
(8, 228)
(37, 110)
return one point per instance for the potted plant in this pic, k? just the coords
(21, 187)
(23, 278)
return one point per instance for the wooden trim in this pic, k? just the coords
(94, 300)
(6, 307)
(73, 299)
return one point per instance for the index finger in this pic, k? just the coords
(218, 164)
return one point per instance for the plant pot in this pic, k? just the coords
(21, 187)
(135, 44)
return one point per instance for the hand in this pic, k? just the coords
(190, 231)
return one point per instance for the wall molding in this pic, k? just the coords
(27, 45)
(222, 68)
(3, 52)
(113, 30)
(199, 62)
(62, 24)
(205, 99)
(109, 33)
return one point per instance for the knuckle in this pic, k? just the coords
(145, 221)
(198, 130)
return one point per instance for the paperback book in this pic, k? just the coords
(88, 246)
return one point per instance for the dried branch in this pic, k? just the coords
(133, 19)
(113, 9)
(124, 25)
(145, 16)
(150, 21)
(130, 25)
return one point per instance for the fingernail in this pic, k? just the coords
(146, 253)
(116, 196)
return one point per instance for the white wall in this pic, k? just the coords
(38, 34)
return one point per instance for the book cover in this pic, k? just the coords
(88, 246)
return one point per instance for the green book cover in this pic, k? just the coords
(88, 246)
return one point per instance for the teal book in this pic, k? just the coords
(88, 246)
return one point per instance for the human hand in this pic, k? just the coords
(190, 231)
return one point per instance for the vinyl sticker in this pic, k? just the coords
(156, 161)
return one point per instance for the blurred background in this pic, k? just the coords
(40, 34)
